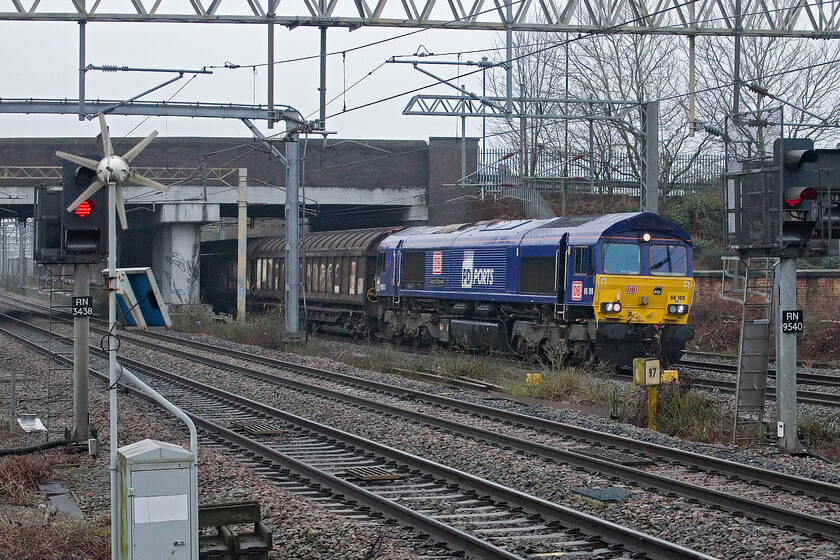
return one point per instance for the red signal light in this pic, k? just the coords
(796, 196)
(84, 209)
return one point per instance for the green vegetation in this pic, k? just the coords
(701, 215)
(820, 435)
(682, 413)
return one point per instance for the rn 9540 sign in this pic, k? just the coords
(793, 321)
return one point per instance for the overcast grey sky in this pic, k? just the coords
(41, 61)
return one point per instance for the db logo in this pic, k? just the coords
(437, 262)
(630, 289)
(577, 291)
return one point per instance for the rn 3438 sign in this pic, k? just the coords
(793, 321)
(82, 306)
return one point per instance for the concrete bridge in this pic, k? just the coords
(345, 184)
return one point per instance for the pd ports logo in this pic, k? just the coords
(471, 276)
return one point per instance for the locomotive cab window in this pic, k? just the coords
(621, 258)
(413, 266)
(583, 261)
(380, 262)
(668, 260)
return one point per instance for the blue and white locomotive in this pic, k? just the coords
(612, 287)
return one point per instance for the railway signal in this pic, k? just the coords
(799, 188)
(84, 230)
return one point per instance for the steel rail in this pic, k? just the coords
(610, 532)
(801, 376)
(708, 463)
(803, 397)
(804, 522)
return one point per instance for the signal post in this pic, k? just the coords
(776, 209)
(801, 208)
(75, 238)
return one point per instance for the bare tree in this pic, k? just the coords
(638, 68)
(634, 68)
(803, 72)
(534, 56)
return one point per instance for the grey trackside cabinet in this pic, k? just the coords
(158, 491)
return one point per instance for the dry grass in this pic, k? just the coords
(564, 385)
(21, 475)
(28, 532)
(716, 323)
(680, 412)
(818, 344)
(25, 536)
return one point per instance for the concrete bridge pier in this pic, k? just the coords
(175, 249)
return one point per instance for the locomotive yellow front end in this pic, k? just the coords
(642, 298)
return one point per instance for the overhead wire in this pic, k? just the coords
(581, 36)
(442, 25)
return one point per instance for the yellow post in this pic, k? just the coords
(652, 407)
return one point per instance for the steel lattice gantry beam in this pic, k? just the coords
(802, 18)
(469, 105)
(32, 174)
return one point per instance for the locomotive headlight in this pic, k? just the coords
(677, 309)
(610, 307)
(646, 237)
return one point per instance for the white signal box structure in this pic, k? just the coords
(158, 514)
(139, 300)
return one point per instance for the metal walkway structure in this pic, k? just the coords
(788, 18)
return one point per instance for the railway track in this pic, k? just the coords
(608, 463)
(804, 378)
(600, 439)
(484, 519)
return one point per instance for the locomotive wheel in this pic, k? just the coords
(423, 338)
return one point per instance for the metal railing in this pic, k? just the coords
(552, 172)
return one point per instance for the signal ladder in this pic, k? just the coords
(750, 283)
(58, 283)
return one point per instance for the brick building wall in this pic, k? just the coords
(450, 203)
(812, 286)
(355, 163)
